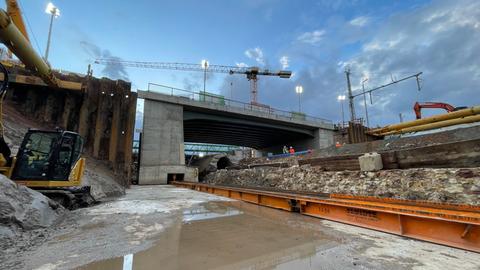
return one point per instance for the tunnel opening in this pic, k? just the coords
(175, 177)
(223, 163)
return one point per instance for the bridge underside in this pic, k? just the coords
(258, 137)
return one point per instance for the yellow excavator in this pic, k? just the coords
(47, 161)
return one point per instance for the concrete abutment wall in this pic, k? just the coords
(162, 143)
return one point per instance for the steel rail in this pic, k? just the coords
(452, 225)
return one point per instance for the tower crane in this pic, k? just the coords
(252, 73)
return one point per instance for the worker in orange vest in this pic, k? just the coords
(291, 150)
(338, 145)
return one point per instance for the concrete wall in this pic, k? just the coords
(162, 142)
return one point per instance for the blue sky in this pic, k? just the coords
(315, 39)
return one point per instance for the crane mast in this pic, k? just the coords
(251, 73)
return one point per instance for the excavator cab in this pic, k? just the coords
(51, 163)
(47, 156)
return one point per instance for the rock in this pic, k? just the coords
(26, 208)
(475, 188)
(370, 162)
(465, 173)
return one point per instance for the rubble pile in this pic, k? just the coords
(436, 185)
(99, 177)
(24, 210)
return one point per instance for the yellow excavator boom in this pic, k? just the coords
(13, 10)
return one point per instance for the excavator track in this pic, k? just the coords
(70, 198)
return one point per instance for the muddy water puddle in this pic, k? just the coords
(231, 235)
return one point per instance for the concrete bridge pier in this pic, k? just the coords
(162, 143)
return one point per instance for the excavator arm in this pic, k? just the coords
(435, 105)
(13, 10)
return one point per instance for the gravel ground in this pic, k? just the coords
(124, 225)
(161, 227)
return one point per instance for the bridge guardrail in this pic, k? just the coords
(222, 101)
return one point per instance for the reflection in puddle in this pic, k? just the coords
(229, 235)
(128, 262)
(204, 212)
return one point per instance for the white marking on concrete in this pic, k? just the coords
(128, 262)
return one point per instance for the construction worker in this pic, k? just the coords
(338, 145)
(291, 150)
(285, 149)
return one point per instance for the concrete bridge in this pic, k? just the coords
(171, 120)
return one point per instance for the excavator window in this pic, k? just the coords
(47, 155)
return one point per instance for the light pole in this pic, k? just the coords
(365, 100)
(299, 91)
(204, 66)
(55, 12)
(341, 98)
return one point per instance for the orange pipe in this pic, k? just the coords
(436, 118)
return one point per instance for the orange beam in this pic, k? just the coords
(447, 224)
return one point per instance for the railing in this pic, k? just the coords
(206, 148)
(222, 101)
(195, 148)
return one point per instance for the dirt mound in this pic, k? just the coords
(101, 179)
(21, 207)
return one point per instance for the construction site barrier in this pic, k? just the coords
(452, 225)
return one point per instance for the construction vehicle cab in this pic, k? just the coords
(50, 162)
(47, 156)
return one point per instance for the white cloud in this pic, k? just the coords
(441, 38)
(284, 62)
(311, 37)
(425, 39)
(256, 54)
(360, 21)
(241, 65)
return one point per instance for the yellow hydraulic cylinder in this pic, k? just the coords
(446, 123)
(436, 118)
(19, 45)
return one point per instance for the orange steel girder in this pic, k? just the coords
(447, 224)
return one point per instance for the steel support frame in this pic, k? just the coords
(447, 224)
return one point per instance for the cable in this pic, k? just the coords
(30, 27)
(3, 92)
